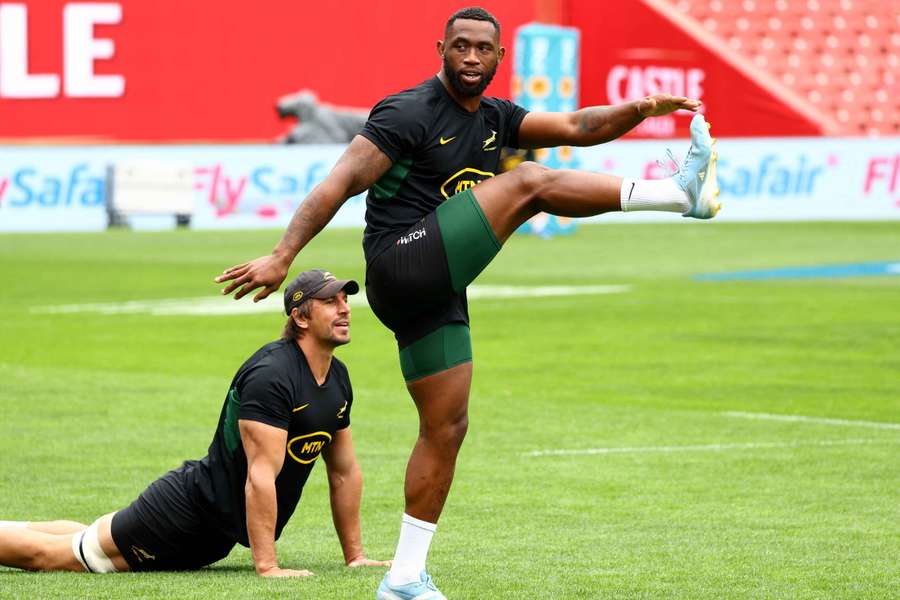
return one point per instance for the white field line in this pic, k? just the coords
(220, 305)
(477, 292)
(812, 420)
(705, 447)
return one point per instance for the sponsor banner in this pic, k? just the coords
(629, 51)
(64, 188)
(101, 71)
(774, 179)
(546, 68)
(545, 78)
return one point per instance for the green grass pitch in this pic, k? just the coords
(690, 502)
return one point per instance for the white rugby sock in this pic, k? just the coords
(653, 194)
(412, 550)
(19, 524)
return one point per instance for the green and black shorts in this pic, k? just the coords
(417, 287)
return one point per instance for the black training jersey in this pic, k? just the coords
(274, 386)
(438, 149)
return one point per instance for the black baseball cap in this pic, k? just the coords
(315, 283)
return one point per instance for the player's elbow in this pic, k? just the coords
(259, 479)
(349, 474)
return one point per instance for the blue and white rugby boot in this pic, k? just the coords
(697, 176)
(424, 589)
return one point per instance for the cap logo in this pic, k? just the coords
(297, 296)
(328, 276)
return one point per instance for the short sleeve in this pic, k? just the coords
(397, 125)
(347, 388)
(264, 397)
(512, 116)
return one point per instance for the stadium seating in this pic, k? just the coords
(841, 56)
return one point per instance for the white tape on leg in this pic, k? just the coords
(86, 547)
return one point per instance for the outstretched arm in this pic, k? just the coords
(596, 124)
(345, 487)
(361, 165)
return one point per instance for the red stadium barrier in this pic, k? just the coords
(630, 50)
(169, 71)
(210, 70)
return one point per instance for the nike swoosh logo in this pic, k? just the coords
(299, 408)
(448, 140)
(631, 190)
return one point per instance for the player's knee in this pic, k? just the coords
(459, 429)
(39, 557)
(532, 177)
(449, 435)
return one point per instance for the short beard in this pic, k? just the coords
(462, 90)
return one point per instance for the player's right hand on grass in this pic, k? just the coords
(265, 272)
(278, 572)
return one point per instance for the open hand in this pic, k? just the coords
(362, 561)
(277, 572)
(265, 272)
(663, 104)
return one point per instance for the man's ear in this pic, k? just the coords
(440, 48)
(299, 320)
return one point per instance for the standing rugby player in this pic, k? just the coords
(437, 215)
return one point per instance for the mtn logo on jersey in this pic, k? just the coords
(305, 449)
(463, 180)
(409, 238)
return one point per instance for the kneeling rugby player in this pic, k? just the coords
(287, 404)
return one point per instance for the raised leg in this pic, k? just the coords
(512, 198)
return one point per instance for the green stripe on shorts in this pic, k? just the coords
(469, 240)
(442, 349)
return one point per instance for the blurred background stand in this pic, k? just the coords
(142, 187)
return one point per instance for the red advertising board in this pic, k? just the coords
(628, 50)
(205, 70)
(167, 70)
